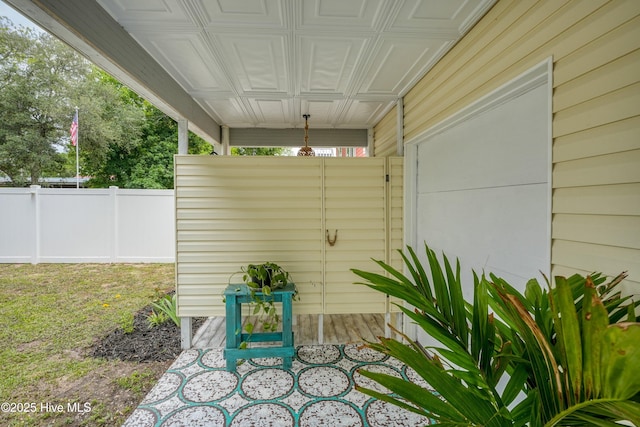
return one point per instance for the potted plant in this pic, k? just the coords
(266, 277)
(262, 279)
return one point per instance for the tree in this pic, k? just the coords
(35, 73)
(41, 82)
(258, 151)
(149, 162)
(123, 140)
(108, 117)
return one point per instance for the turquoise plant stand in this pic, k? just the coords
(235, 296)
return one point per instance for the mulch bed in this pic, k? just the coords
(144, 344)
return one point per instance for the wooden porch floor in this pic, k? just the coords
(336, 329)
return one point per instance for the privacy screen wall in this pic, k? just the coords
(232, 211)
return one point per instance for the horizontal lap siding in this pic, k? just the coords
(595, 46)
(355, 206)
(385, 135)
(396, 217)
(227, 219)
(232, 211)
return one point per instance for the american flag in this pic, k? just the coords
(74, 129)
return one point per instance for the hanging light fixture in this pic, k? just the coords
(306, 150)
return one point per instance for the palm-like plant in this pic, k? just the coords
(569, 352)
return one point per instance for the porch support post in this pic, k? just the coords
(320, 328)
(400, 127)
(370, 143)
(186, 333)
(226, 143)
(183, 136)
(387, 329)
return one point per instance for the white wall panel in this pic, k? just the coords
(501, 147)
(86, 225)
(145, 225)
(17, 225)
(80, 232)
(482, 190)
(500, 230)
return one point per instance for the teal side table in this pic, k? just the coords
(235, 296)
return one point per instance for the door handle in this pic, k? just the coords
(330, 240)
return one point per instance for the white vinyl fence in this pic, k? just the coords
(54, 225)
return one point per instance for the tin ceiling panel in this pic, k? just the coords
(266, 62)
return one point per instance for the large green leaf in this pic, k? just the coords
(458, 310)
(569, 337)
(621, 361)
(417, 271)
(605, 411)
(459, 397)
(594, 322)
(422, 399)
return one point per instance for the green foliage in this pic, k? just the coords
(126, 321)
(267, 276)
(48, 312)
(167, 306)
(264, 278)
(149, 162)
(124, 140)
(108, 118)
(156, 319)
(37, 73)
(258, 151)
(571, 351)
(136, 382)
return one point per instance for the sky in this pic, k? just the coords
(16, 17)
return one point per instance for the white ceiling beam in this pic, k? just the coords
(261, 137)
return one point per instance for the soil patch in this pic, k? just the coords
(144, 344)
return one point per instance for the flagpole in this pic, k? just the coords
(78, 153)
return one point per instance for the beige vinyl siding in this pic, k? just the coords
(355, 205)
(595, 47)
(385, 135)
(396, 217)
(234, 211)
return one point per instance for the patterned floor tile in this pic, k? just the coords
(318, 390)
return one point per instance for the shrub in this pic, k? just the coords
(571, 350)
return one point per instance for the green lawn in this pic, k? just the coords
(50, 314)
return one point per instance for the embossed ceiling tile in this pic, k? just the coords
(266, 62)
(227, 110)
(328, 63)
(264, 13)
(352, 14)
(258, 61)
(271, 111)
(187, 60)
(323, 112)
(358, 112)
(435, 15)
(141, 12)
(386, 77)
